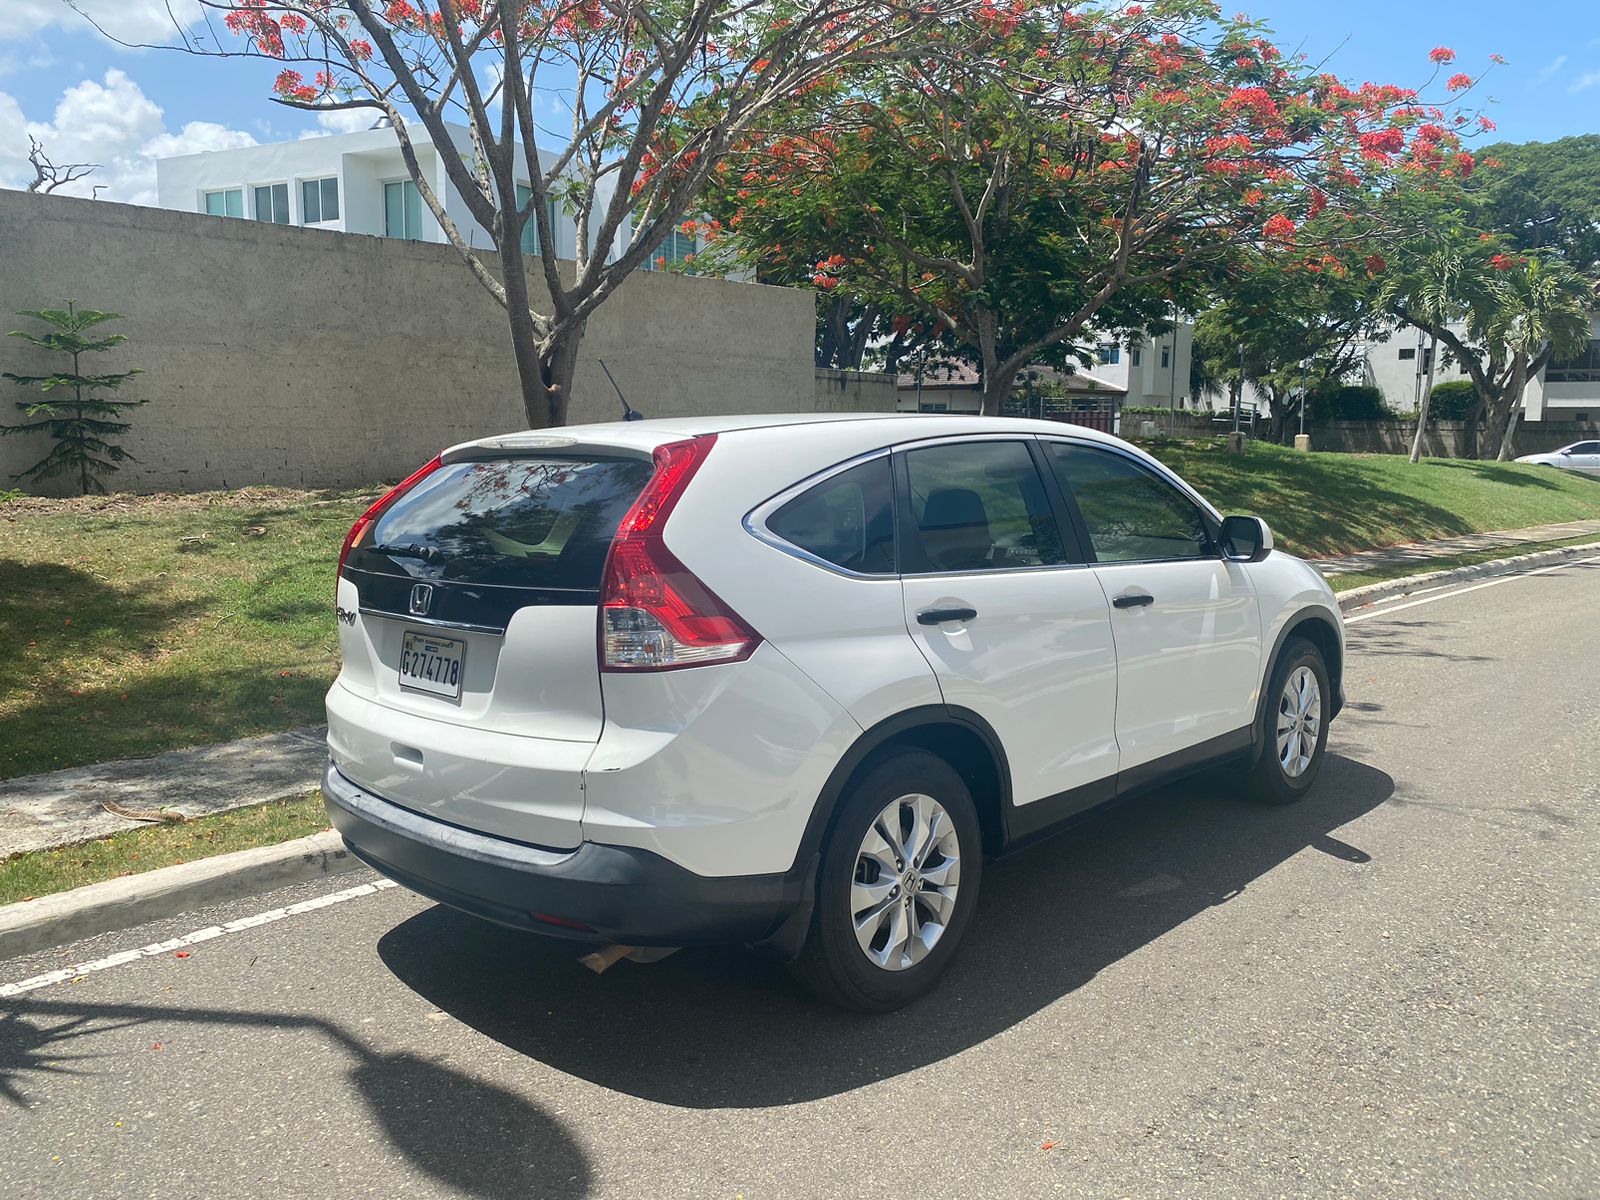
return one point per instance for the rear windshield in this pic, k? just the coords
(528, 522)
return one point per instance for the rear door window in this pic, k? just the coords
(980, 506)
(542, 523)
(847, 520)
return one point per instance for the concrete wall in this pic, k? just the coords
(274, 354)
(854, 391)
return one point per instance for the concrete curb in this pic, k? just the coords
(49, 921)
(1362, 596)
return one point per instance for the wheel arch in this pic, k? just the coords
(1320, 628)
(958, 736)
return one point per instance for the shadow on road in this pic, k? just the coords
(724, 1028)
(476, 1138)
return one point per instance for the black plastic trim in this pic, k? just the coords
(622, 893)
(922, 717)
(1335, 670)
(1198, 757)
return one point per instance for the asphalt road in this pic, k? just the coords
(1387, 990)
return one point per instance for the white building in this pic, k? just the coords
(1148, 372)
(353, 183)
(1564, 391)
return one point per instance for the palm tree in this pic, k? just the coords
(1539, 313)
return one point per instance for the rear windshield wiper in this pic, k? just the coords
(407, 550)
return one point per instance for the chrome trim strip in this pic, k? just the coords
(408, 619)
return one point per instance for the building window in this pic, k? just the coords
(226, 203)
(530, 231)
(272, 203)
(1166, 357)
(1581, 418)
(402, 210)
(1582, 368)
(1407, 353)
(1110, 353)
(1136, 355)
(678, 248)
(319, 200)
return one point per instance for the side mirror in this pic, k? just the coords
(1566, 454)
(1245, 539)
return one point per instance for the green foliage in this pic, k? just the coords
(82, 427)
(1452, 400)
(1050, 175)
(1546, 196)
(1349, 402)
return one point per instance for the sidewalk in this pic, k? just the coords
(58, 808)
(1421, 554)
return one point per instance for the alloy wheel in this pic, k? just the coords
(1299, 721)
(903, 894)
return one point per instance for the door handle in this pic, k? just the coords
(937, 616)
(1134, 600)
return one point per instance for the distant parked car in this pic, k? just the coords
(1580, 456)
(788, 680)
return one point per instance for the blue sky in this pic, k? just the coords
(89, 99)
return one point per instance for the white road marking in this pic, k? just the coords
(1384, 612)
(78, 970)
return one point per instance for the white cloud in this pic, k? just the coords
(348, 120)
(1585, 82)
(1556, 65)
(125, 20)
(113, 124)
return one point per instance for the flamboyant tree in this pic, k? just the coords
(654, 94)
(1053, 172)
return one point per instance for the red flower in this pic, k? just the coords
(1442, 54)
(1458, 82)
(1280, 228)
(1376, 264)
(1486, 125)
(1464, 164)
(1502, 262)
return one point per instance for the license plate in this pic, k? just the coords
(432, 664)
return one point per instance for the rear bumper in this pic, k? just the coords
(619, 893)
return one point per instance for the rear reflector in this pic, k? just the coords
(366, 519)
(655, 615)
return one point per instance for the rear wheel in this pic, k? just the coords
(897, 885)
(1294, 725)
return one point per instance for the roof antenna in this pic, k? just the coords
(629, 413)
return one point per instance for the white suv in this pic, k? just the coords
(790, 680)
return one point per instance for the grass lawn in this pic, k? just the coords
(133, 625)
(1324, 504)
(41, 872)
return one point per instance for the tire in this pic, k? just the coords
(1278, 777)
(885, 975)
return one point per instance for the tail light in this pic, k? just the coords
(654, 614)
(365, 521)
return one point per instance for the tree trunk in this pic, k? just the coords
(539, 403)
(1420, 438)
(996, 387)
(1518, 385)
(558, 363)
(1502, 417)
